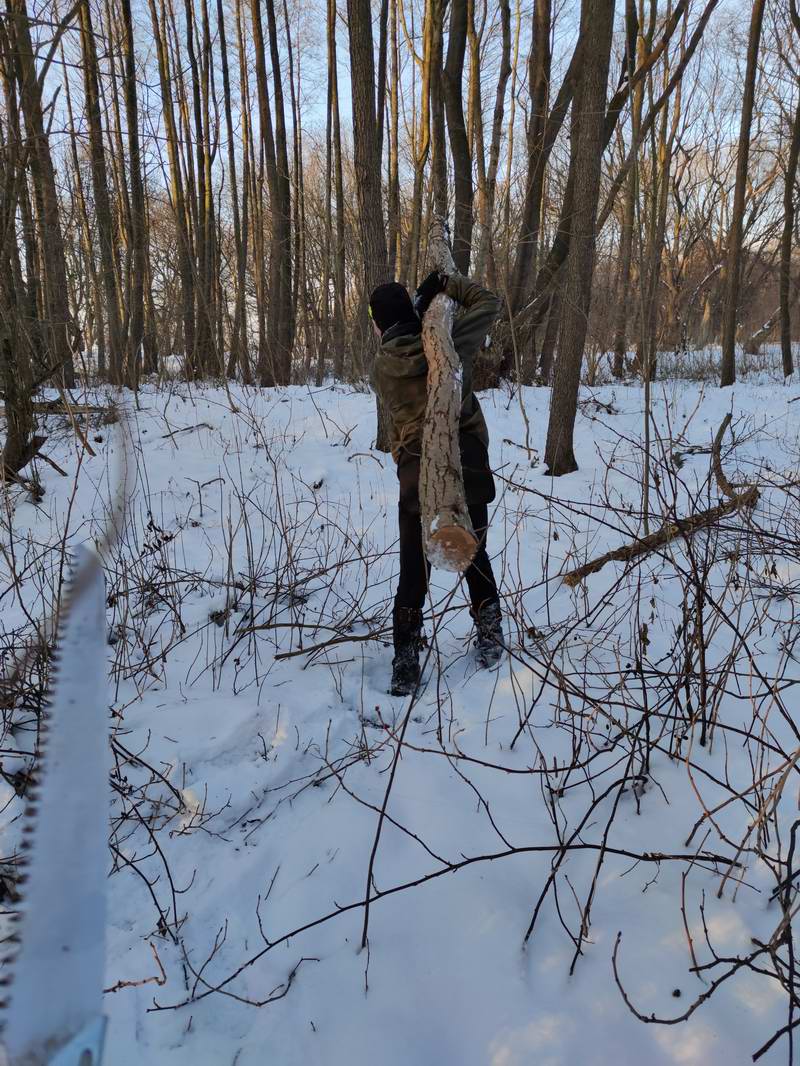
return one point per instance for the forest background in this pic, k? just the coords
(213, 188)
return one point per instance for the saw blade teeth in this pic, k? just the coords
(56, 658)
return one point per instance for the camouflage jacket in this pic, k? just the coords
(400, 372)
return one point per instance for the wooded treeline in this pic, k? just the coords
(211, 187)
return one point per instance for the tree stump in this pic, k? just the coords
(448, 536)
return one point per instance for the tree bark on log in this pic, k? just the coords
(450, 542)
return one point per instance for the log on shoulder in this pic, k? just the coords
(448, 536)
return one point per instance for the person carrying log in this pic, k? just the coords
(400, 379)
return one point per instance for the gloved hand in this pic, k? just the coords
(427, 289)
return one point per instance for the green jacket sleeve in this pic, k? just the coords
(481, 308)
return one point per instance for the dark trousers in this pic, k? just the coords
(415, 569)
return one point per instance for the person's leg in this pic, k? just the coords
(414, 570)
(480, 578)
(408, 602)
(484, 596)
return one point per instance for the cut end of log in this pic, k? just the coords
(452, 548)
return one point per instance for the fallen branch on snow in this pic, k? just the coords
(681, 526)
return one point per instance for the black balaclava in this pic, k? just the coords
(390, 304)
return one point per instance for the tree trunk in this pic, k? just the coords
(393, 206)
(56, 290)
(661, 168)
(439, 149)
(138, 234)
(547, 357)
(238, 354)
(512, 114)
(785, 281)
(752, 346)
(588, 142)
(550, 267)
(733, 266)
(539, 144)
(366, 147)
(446, 527)
(366, 164)
(339, 263)
(102, 202)
(476, 140)
(421, 148)
(15, 369)
(635, 47)
(269, 373)
(487, 201)
(457, 130)
(281, 305)
(195, 137)
(624, 277)
(15, 380)
(300, 291)
(185, 266)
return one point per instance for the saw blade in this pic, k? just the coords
(56, 968)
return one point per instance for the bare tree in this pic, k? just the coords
(102, 201)
(138, 267)
(733, 265)
(58, 324)
(588, 142)
(790, 181)
(139, 234)
(366, 163)
(366, 144)
(457, 130)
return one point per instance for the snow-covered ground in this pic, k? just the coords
(249, 600)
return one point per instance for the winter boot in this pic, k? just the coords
(489, 644)
(407, 632)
